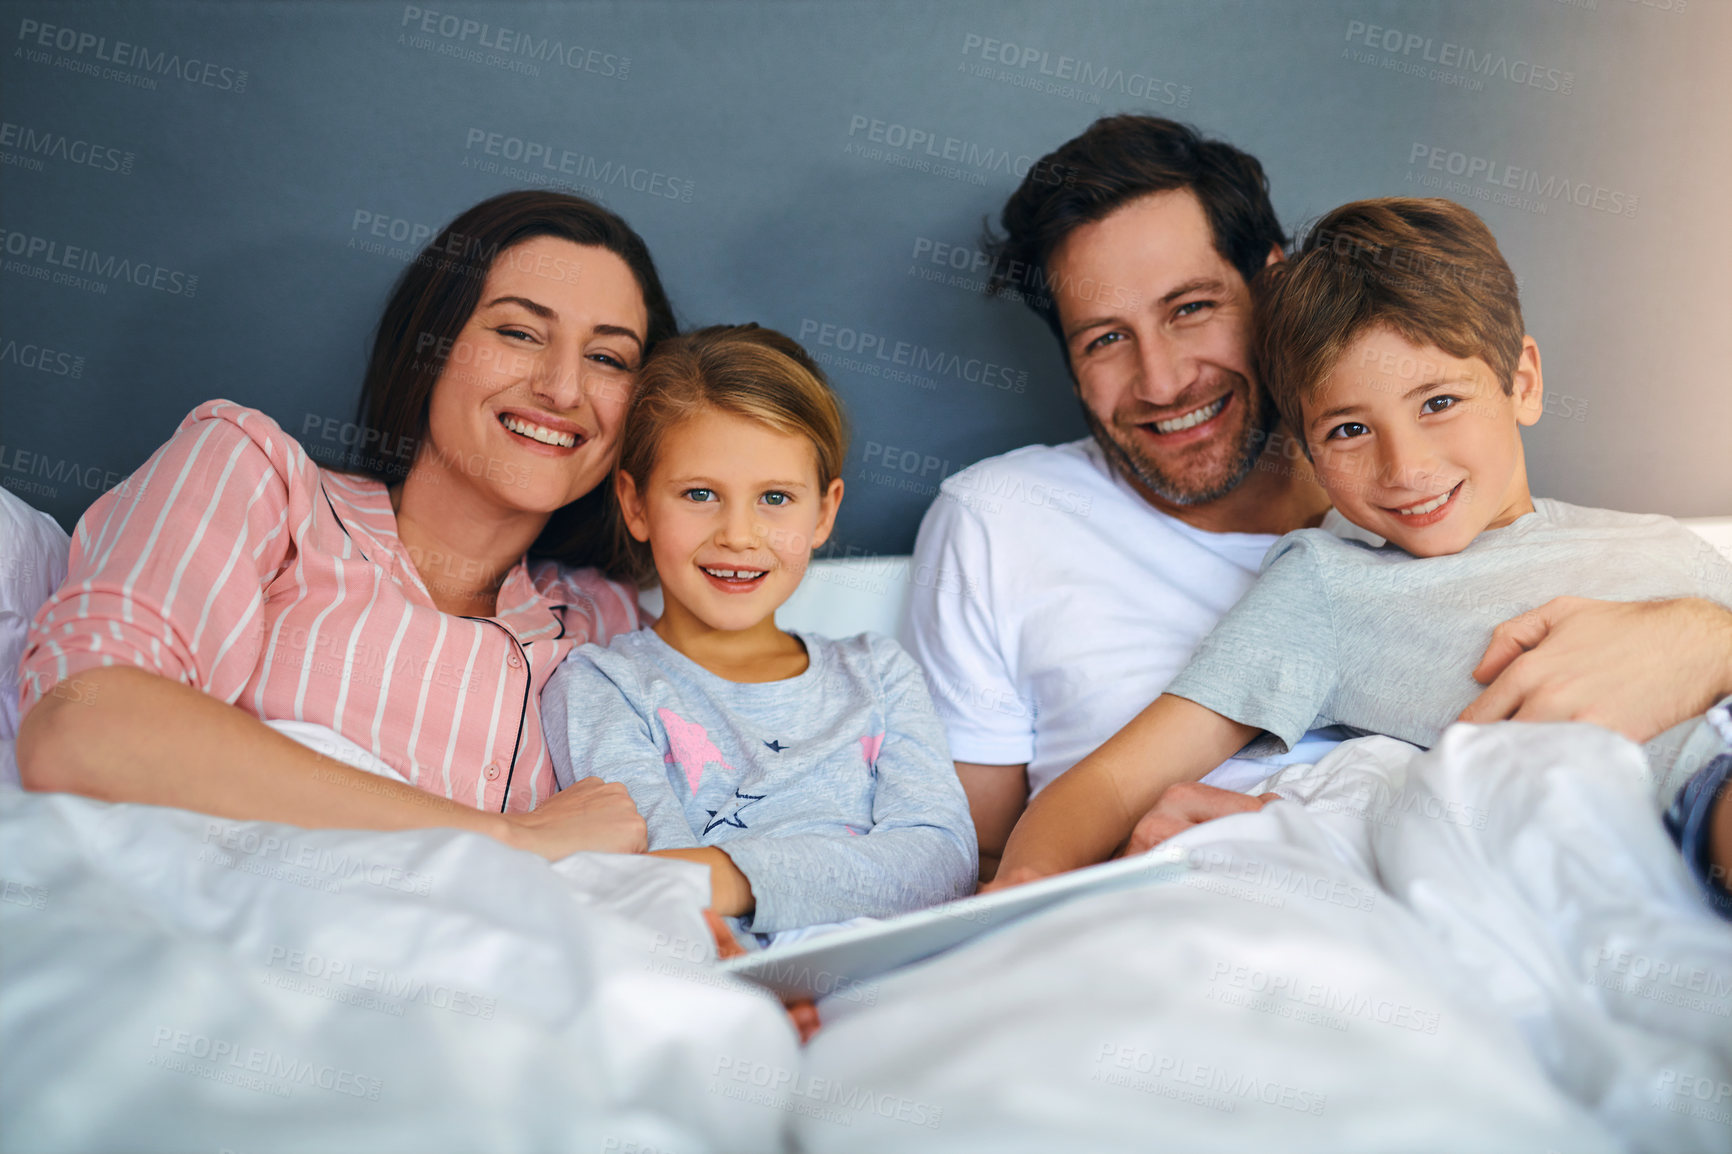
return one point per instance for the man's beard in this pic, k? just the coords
(1215, 483)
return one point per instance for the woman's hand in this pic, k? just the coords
(592, 816)
(1187, 804)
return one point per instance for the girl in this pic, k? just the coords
(810, 775)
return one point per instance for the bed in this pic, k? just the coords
(1489, 945)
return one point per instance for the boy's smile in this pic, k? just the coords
(1421, 447)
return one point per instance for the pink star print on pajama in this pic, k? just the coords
(690, 747)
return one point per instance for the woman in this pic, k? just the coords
(415, 604)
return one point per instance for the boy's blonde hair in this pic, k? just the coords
(745, 370)
(1427, 269)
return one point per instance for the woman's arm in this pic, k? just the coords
(1089, 811)
(131, 735)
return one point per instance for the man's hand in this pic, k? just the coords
(1635, 667)
(1187, 804)
(592, 816)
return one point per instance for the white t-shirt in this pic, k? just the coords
(1052, 603)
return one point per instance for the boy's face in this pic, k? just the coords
(732, 511)
(1422, 448)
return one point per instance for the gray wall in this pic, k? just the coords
(238, 157)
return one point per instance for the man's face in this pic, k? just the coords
(1157, 327)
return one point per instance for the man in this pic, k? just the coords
(1080, 577)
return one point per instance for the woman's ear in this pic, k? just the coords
(631, 505)
(828, 504)
(1527, 385)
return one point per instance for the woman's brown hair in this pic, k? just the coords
(428, 308)
(746, 370)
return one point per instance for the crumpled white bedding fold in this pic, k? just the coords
(454, 993)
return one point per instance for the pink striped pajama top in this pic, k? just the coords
(231, 562)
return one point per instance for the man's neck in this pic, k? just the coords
(1279, 494)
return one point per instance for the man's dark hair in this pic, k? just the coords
(1119, 159)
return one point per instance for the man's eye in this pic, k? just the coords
(777, 497)
(1191, 308)
(1103, 341)
(1349, 429)
(1438, 404)
(699, 494)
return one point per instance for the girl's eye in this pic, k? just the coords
(1103, 341)
(1438, 404)
(777, 497)
(1344, 431)
(699, 494)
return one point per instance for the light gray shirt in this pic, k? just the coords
(1375, 639)
(833, 791)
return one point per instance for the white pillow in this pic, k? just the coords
(33, 553)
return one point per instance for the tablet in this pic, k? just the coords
(837, 963)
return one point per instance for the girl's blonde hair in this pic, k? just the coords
(744, 370)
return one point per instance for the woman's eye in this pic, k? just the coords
(1438, 404)
(777, 497)
(514, 334)
(610, 360)
(1349, 429)
(699, 494)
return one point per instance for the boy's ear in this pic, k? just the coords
(1527, 385)
(631, 505)
(828, 504)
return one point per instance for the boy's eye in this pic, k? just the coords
(1348, 429)
(699, 494)
(1438, 404)
(777, 497)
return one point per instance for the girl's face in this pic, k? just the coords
(528, 408)
(732, 511)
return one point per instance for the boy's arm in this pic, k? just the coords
(1091, 809)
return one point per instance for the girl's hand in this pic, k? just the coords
(804, 1013)
(1019, 875)
(592, 816)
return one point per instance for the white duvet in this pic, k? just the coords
(1491, 946)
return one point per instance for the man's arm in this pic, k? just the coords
(997, 795)
(1085, 815)
(1636, 667)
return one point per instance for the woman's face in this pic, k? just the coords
(528, 408)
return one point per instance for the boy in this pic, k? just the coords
(1393, 345)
